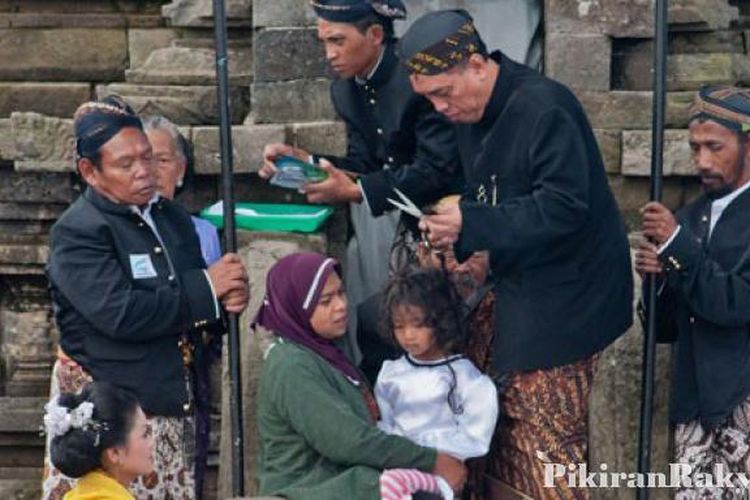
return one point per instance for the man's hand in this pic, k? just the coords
(658, 222)
(271, 153)
(443, 227)
(229, 279)
(337, 188)
(647, 259)
(236, 301)
(452, 470)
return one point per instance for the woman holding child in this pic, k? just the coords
(316, 413)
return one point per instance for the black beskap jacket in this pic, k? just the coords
(540, 202)
(121, 297)
(705, 306)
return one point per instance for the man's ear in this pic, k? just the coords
(376, 34)
(477, 63)
(182, 169)
(87, 171)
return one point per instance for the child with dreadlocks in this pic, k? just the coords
(433, 394)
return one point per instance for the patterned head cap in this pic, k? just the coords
(440, 40)
(729, 106)
(349, 11)
(96, 122)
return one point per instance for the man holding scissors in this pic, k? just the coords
(539, 202)
(395, 138)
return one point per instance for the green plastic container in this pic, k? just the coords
(271, 217)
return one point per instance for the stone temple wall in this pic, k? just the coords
(55, 54)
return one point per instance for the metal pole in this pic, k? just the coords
(657, 149)
(230, 244)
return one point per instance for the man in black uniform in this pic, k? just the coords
(702, 260)
(395, 137)
(133, 299)
(538, 200)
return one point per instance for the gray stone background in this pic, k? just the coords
(55, 54)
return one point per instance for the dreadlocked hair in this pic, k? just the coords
(433, 292)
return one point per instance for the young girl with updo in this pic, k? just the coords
(101, 437)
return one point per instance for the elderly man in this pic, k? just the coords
(131, 293)
(395, 138)
(539, 202)
(174, 160)
(173, 157)
(702, 260)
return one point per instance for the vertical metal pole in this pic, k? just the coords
(657, 149)
(230, 242)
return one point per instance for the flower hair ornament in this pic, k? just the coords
(58, 420)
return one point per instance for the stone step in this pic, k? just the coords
(247, 142)
(191, 66)
(42, 143)
(51, 99)
(21, 489)
(636, 157)
(199, 13)
(63, 20)
(183, 104)
(289, 54)
(63, 54)
(21, 414)
(31, 187)
(20, 473)
(283, 14)
(623, 19)
(621, 109)
(292, 101)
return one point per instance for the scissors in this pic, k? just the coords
(409, 207)
(406, 205)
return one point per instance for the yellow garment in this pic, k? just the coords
(97, 485)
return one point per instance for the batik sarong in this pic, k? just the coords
(543, 419)
(725, 447)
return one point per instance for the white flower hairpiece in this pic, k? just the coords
(58, 419)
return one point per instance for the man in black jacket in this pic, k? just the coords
(702, 260)
(538, 200)
(395, 137)
(132, 297)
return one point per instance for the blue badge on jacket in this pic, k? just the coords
(141, 266)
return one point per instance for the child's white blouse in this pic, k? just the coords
(413, 400)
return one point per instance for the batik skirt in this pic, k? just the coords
(705, 450)
(543, 419)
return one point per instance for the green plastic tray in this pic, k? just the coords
(271, 216)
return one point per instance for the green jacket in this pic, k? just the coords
(317, 440)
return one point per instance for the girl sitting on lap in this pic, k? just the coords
(433, 394)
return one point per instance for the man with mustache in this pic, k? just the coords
(395, 138)
(701, 258)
